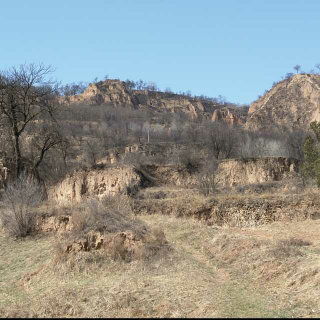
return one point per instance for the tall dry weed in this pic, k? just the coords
(20, 198)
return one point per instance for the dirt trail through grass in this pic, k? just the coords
(230, 295)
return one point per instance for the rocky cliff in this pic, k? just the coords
(115, 92)
(232, 116)
(294, 102)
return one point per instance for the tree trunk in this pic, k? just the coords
(17, 155)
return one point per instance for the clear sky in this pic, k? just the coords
(233, 48)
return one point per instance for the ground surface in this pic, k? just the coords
(271, 270)
(268, 271)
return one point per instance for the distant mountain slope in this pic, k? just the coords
(292, 103)
(114, 92)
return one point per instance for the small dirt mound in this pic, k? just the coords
(126, 245)
(110, 226)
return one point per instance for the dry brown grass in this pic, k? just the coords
(210, 272)
(188, 268)
(233, 209)
(281, 257)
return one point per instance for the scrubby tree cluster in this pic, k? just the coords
(72, 89)
(29, 114)
(311, 150)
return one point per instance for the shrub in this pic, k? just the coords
(108, 226)
(111, 214)
(20, 198)
(311, 165)
(206, 177)
(190, 160)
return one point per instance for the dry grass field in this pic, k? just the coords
(205, 270)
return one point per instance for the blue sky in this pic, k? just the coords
(233, 48)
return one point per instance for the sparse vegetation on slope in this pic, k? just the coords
(149, 188)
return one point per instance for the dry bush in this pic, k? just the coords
(190, 159)
(108, 229)
(83, 218)
(206, 177)
(20, 198)
(111, 213)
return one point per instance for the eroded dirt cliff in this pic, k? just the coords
(121, 178)
(100, 182)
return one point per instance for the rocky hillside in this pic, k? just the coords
(292, 103)
(119, 179)
(114, 92)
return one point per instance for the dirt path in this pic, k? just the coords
(230, 296)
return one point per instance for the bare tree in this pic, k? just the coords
(193, 132)
(318, 66)
(152, 86)
(73, 89)
(140, 85)
(220, 139)
(26, 98)
(297, 68)
(92, 151)
(295, 141)
(130, 85)
(206, 177)
(289, 75)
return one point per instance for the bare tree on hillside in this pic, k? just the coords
(297, 68)
(295, 141)
(152, 86)
(221, 140)
(193, 132)
(27, 98)
(289, 75)
(92, 151)
(73, 89)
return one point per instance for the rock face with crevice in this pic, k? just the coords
(292, 103)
